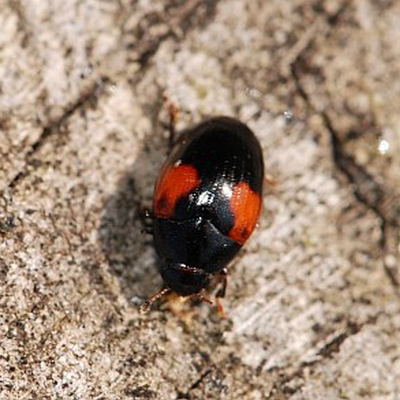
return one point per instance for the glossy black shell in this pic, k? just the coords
(224, 152)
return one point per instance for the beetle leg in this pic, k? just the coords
(220, 308)
(223, 277)
(173, 116)
(147, 220)
(145, 307)
(201, 297)
(269, 180)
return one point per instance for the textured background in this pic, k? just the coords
(313, 300)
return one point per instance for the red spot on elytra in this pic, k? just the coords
(174, 183)
(246, 206)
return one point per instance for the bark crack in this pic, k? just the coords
(195, 385)
(53, 127)
(378, 197)
(291, 381)
(178, 22)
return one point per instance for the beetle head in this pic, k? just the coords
(181, 279)
(184, 280)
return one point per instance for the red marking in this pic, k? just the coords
(174, 183)
(245, 205)
(220, 308)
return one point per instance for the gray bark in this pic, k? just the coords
(313, 300)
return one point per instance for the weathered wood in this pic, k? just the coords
(313, 300)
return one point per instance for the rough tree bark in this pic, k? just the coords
(313, 300)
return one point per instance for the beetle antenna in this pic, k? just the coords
(145, 307)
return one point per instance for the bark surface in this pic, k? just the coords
(313, 300)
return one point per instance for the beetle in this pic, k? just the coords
(207, 201)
